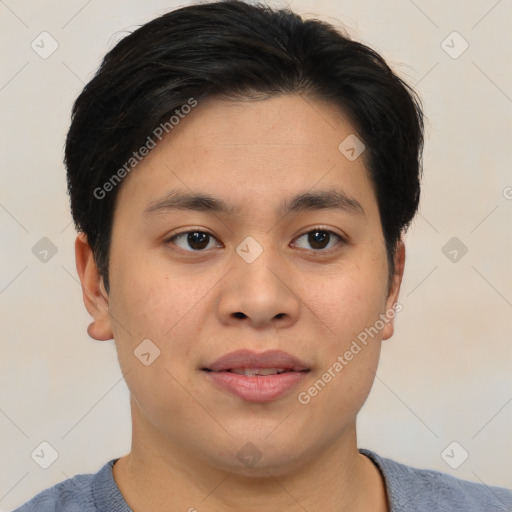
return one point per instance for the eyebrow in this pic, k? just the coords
(333, 199)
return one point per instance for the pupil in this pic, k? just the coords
(318, 239)
(198, 240)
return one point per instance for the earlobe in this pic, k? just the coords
(391, 309)
(95, 297)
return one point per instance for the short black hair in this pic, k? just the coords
(235, 50)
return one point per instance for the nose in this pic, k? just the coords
(260, 293)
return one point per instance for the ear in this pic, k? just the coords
(392, 298)
(95, 296)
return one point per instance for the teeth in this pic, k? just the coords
(252, 372)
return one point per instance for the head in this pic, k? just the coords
(251, 107)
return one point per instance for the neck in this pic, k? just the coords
(158, 474)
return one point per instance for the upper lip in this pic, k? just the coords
(250, 359)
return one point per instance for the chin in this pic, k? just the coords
(256, 456)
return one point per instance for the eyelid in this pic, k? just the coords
(342, 238)
(191, 230)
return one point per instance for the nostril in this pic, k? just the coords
(239, 315)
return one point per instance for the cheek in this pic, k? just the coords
(147, 299)
(349, 354)
(151, 305)
(348, 301)
(168, 309)
(350, 306)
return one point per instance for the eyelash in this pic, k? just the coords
(341, 240)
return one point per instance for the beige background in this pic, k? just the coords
(445, 376)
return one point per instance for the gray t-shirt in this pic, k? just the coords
(409, 490)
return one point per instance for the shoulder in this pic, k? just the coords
(427, 490)
(72, 495)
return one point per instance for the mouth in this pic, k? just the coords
(257, 377)
(256, 372)
(265, 363)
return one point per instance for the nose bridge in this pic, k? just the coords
(259, 265)
(257, 290)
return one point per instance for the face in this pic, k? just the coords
(267, 272)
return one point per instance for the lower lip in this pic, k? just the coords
(262, 388)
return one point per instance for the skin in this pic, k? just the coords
(307, 301)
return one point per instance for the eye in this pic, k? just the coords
(319, 239)
(196, 240)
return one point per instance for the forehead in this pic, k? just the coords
(241, 151)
